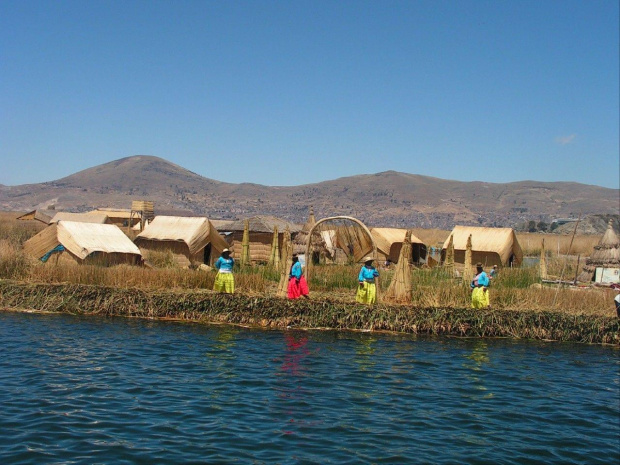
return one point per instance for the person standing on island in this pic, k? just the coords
(617, 298)
(480, 289)
(225, 281)
(493, 272)
(297, 285)
(367, 289)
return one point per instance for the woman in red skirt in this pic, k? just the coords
(297, 285)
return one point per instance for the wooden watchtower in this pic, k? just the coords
(142, 209)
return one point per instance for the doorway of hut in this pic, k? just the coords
(207, 254)
(418, 253)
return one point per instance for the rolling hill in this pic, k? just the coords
(383, 199)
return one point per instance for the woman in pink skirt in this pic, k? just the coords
(297, 285)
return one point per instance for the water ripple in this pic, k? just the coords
(79, 390)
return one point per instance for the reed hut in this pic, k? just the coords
(603, 266)
(260, 232)
(73, 242)
(97, 218)
(390, 241)
(118, 216)
(192, 240)
(490, 246)
(43, 215)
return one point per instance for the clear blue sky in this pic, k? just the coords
(294, 92)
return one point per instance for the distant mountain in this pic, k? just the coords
(384, 199)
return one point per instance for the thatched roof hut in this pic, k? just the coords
(73, 242)
(43, 215)
(389, 242)
(603, 266)
(98, 218)
(192, 240)
(260, 235)
(119, 216)
(490, 246)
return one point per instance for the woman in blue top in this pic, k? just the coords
(225, 281)
(480, 289)
(367, 289)
(297, 285)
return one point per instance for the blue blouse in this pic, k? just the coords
(368, 274)
(296, 270)
(224, 265)
(483, 279)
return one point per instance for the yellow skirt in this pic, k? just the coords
(224, 282)
(366, 294)
(480, 298)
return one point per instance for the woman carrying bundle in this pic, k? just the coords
(297, 285)
(225, 281)
(367, 289)
(480, 289)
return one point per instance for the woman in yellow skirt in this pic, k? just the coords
(367, 290)
(480, 289)
(225, 281)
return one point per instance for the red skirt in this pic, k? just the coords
(297, 289)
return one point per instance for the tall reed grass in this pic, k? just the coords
(515, 289)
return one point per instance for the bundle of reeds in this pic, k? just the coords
(286, 263)
(400, 287)
(468, 271)
(449, 262)
(543, 261)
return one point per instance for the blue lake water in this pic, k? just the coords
(93, 390)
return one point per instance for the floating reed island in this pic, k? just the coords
(272, 312)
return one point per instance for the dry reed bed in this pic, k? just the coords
(271, 312)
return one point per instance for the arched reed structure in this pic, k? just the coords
(365, 245)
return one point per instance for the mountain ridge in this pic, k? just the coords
(388, 198)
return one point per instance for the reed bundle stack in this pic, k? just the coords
(400, 287)
(543, 262)
(449, 261)
(468, 271)
(286, 262)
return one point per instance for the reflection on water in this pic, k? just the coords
(476, 361)
(85, 390)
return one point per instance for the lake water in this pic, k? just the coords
(93, 390)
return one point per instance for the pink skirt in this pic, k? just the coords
(297, 289)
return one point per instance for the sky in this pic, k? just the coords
(298, 91)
